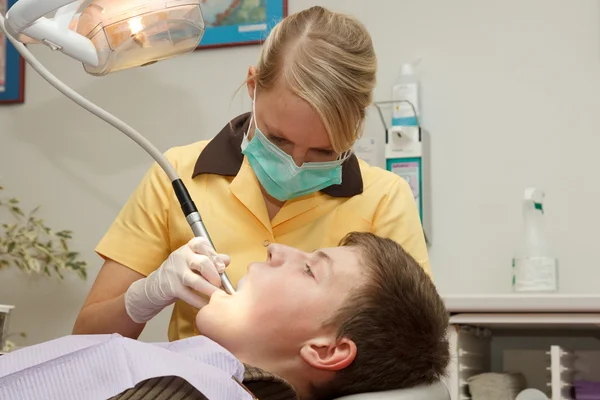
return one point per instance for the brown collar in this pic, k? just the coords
(223, 156)
(264, 385)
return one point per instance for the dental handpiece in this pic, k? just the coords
(200, 231)
(194, 219)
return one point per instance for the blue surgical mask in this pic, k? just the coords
(278, 173)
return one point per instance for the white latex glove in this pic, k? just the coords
(194, 265)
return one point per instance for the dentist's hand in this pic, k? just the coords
(194, 265)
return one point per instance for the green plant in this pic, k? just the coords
(9, 345)
(33, 247)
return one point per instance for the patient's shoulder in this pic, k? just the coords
(162, 387)
(263, 384)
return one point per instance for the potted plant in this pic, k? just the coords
(28, 244)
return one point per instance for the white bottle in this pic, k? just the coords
(534, 267)
(531, 394)
(405, 94)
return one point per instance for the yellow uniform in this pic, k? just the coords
(227, 194)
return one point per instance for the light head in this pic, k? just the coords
(110, 35)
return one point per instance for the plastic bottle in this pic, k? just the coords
(535, 269)
(531, 394)
(406, 89)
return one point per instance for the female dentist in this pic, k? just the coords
(283, 173)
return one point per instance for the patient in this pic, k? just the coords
(361, 317)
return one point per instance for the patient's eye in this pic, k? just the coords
(307, 270)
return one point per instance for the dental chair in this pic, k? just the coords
(437, 391)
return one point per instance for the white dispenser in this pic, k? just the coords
(406, 147)
(535, 269)
(407, 155)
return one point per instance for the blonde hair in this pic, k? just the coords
(328, 60)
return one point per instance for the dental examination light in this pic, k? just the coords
(107, 36)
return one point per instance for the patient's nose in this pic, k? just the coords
(274, 255)
(279, 254)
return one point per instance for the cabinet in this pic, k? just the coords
(552, 339)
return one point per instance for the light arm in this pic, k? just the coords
(187, 205)
(64, 15)
(26, 17)
(25, 12)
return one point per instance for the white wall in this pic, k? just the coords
(510, 96)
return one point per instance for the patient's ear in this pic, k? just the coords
(329, 353)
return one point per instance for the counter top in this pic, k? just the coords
(521, 302)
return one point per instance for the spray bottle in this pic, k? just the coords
(534, 267)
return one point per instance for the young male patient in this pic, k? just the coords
(361, 317)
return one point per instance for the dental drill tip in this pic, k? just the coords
(227, 286)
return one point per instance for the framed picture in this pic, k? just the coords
(239, 22)
(12, 66)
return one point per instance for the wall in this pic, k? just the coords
(510, 97)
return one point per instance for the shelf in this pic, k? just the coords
(526, 303)
(562, 319)
(526, 320)
(5, 308)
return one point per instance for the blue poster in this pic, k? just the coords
(12, 66)
(239, 22)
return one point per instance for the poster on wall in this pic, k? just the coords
(12, 66)
(239, 22)
(2, 51)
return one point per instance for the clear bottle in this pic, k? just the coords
(535, 269)
(405, 94)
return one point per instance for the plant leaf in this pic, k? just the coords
(16, 210)
(33, 247)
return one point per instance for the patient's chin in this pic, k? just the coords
(218, 326)
(215, 313)
(204, 322)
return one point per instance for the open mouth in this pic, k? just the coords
(241, 283)
(217, 295)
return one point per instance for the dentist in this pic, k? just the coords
(284, 173)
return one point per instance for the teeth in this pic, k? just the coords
(241, 282)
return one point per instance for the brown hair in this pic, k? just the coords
(328, 60)
(397, 320)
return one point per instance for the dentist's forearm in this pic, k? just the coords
(104, 309)
(107, 316)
